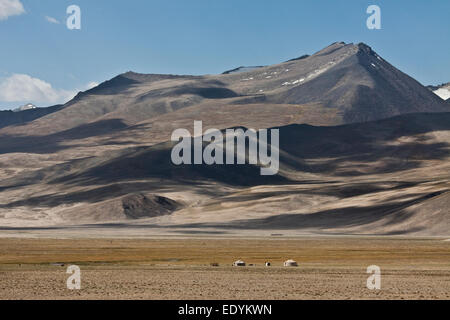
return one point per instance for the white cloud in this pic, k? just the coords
(10, 8)
(91, 85)
(24, 88)
(51, 20)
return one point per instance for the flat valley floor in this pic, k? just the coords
(180, 268)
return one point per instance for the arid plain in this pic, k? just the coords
(180, 268)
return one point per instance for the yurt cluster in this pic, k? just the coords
(287, 263)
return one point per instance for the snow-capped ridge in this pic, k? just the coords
(28, 106)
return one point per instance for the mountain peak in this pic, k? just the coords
(366, 49)
(335, 46)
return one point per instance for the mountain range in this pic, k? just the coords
(364, 149)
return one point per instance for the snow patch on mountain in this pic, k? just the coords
(444, 93)
(27, 106)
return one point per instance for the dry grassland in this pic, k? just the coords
(179, 268)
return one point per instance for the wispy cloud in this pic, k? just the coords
(10, 8)
(24, 88)
(51, 20)
(91, 85)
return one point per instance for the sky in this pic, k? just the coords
(44, 62)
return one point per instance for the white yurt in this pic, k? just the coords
(239, 263)
(290, 263)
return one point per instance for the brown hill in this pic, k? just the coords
(363, 149)
(368, 178)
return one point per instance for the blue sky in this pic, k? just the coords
(201, 37)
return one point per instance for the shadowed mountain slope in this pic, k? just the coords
(375, 177)
(9, 118)
(395, 144)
